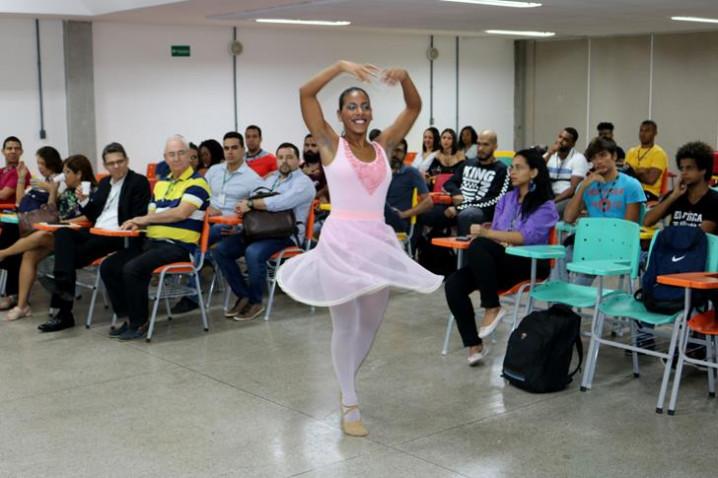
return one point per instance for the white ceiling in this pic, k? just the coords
(565, 17)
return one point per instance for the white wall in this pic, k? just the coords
(143, 95)
(19, 86)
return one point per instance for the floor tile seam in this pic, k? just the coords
(79, 387)
(479, 420)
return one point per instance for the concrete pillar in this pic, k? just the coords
(80, 90)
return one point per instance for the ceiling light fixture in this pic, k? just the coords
(498, 3)
(518, 33)
(286, 21)
(695, 19)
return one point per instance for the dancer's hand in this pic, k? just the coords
(392, 76)
(364, 73)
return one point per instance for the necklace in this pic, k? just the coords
(604, 202)
(641, 156)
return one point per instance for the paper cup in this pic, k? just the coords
(59, 178)
(85, 188)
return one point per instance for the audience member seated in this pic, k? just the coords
(605, 131)
(605, 192)
(229, 182)
(566, 167)
(404, 180)
(312, 167)
(210, 153)
(648, 162)
(174, 224)
(475, 188)
(692, 202)
(9, 233)
(467, 142)
(49, 165)
(120, 196)
(193, 156)
(430, 145)
(449, 158)
(263, 162)
(524, 216)
(40, 244)
(295, 191)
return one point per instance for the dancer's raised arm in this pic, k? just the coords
(322, 132)
(391, 136)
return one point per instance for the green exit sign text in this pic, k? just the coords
(180, 50)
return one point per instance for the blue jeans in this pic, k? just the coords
(256, 254)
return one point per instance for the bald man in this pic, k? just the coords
(477, 185)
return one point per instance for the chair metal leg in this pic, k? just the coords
(93, 299)
(596, 333)
(669, 364)
(202, 309)
(634, 354)
(272, 289)
(682, 345)
(710, 351)
(113, 324)
(447, 336)
(517, 306)
(158, 297)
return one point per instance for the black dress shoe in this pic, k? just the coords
(57, 323)
(115, 333)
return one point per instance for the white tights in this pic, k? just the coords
(355, 324)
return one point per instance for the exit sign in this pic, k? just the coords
(180, 50)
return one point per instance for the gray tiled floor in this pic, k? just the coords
(259, 399)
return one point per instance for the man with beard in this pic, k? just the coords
(312, 167)
(404, 179)
(295, 191)
(566, 167)
(477, 185)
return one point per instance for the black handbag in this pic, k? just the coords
(258, 224)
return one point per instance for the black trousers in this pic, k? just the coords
(490, 270)
(75, 249)
(10, 233)
(128, 272)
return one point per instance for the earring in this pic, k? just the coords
(532, 186)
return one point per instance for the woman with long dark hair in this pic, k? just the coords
(430, 145)
(449, 157)
(210, 153)
(468, 141)
(358, 257)
(524, 216)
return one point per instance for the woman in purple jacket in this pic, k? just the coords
(524, 216)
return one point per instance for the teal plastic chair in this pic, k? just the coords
(623, 305)
(603, 247)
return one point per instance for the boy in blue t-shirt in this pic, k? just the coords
(606, 192)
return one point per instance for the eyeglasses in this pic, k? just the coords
(115, 164)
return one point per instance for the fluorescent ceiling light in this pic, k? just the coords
(695, 19)
(303, 22)
(498, 3)
(518, 33)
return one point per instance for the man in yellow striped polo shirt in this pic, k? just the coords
(173, 226)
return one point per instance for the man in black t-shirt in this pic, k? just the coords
(692, 202)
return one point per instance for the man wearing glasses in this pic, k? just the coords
(120, 196)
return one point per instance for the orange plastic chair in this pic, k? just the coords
(151, 170)
(278, 257)
(166, 291)
(409, 158)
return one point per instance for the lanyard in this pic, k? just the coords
(604, 199)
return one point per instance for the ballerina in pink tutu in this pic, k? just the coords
(358, 258)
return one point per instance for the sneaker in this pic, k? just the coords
(115, 333)
(238, 307)
(184, 305)
(132, 333)
(8, 302)
(251, 311)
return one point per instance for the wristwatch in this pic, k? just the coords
(250, 203)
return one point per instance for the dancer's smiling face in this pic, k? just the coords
(355, 113)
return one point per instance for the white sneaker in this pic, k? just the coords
(489, 329)
(475, 358)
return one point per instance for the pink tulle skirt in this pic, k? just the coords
(354, 257)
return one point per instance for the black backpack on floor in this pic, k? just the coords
(538, 356)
